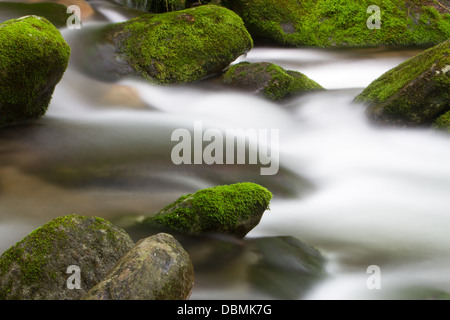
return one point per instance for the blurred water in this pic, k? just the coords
(361, 194)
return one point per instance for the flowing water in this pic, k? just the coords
(361, 194)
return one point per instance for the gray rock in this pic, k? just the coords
(157, 268)
(37, 267)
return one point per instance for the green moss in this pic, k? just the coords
(182, 46)
(270, 80)
(415, 92)
(219, 208)
(33, 58)
(443, 122)
(328, 23)
(32, 254)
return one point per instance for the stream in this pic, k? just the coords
(363, 195)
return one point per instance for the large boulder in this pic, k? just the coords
(231, 209)
(33, 58)
(157, 268)
(168, 48)
(415, 93)
(39, 266)
(325, 23)
(268, 80)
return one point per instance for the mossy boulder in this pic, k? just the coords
(178, 47)
(415, 93)
(231, 209)
(33, 58)
(343, 23)
(155, 6)
(443, 122)
(156, 268)
(36, 267)
(268, 80)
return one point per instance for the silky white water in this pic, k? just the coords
(363, 195)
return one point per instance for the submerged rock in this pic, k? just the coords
(269, 80)
(281, 267)
(170, 48)
(327, 23)
(415, 93)
(36, 268)
(232, 209)
(156, 268)
(33, 58)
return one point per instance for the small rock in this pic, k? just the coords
(234, 210)
(36, 267)
(33, 59)
(415, 93)
(269, 80)
(157, 268)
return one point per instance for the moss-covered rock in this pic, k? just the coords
(36, 267)
(53, 12)
(179, 47)
(232, 209)
(414, 93)
(33, 58)
(443, 122)
(328, 23)
(269, 80)
(157, 268)
(155, 6)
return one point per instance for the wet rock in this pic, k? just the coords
(268, 80)
(286, 266)
(342, 23)
(415, 93)
(232, 209)
(36, 267)
(33, 58)
(157, 268)
(169, 48)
